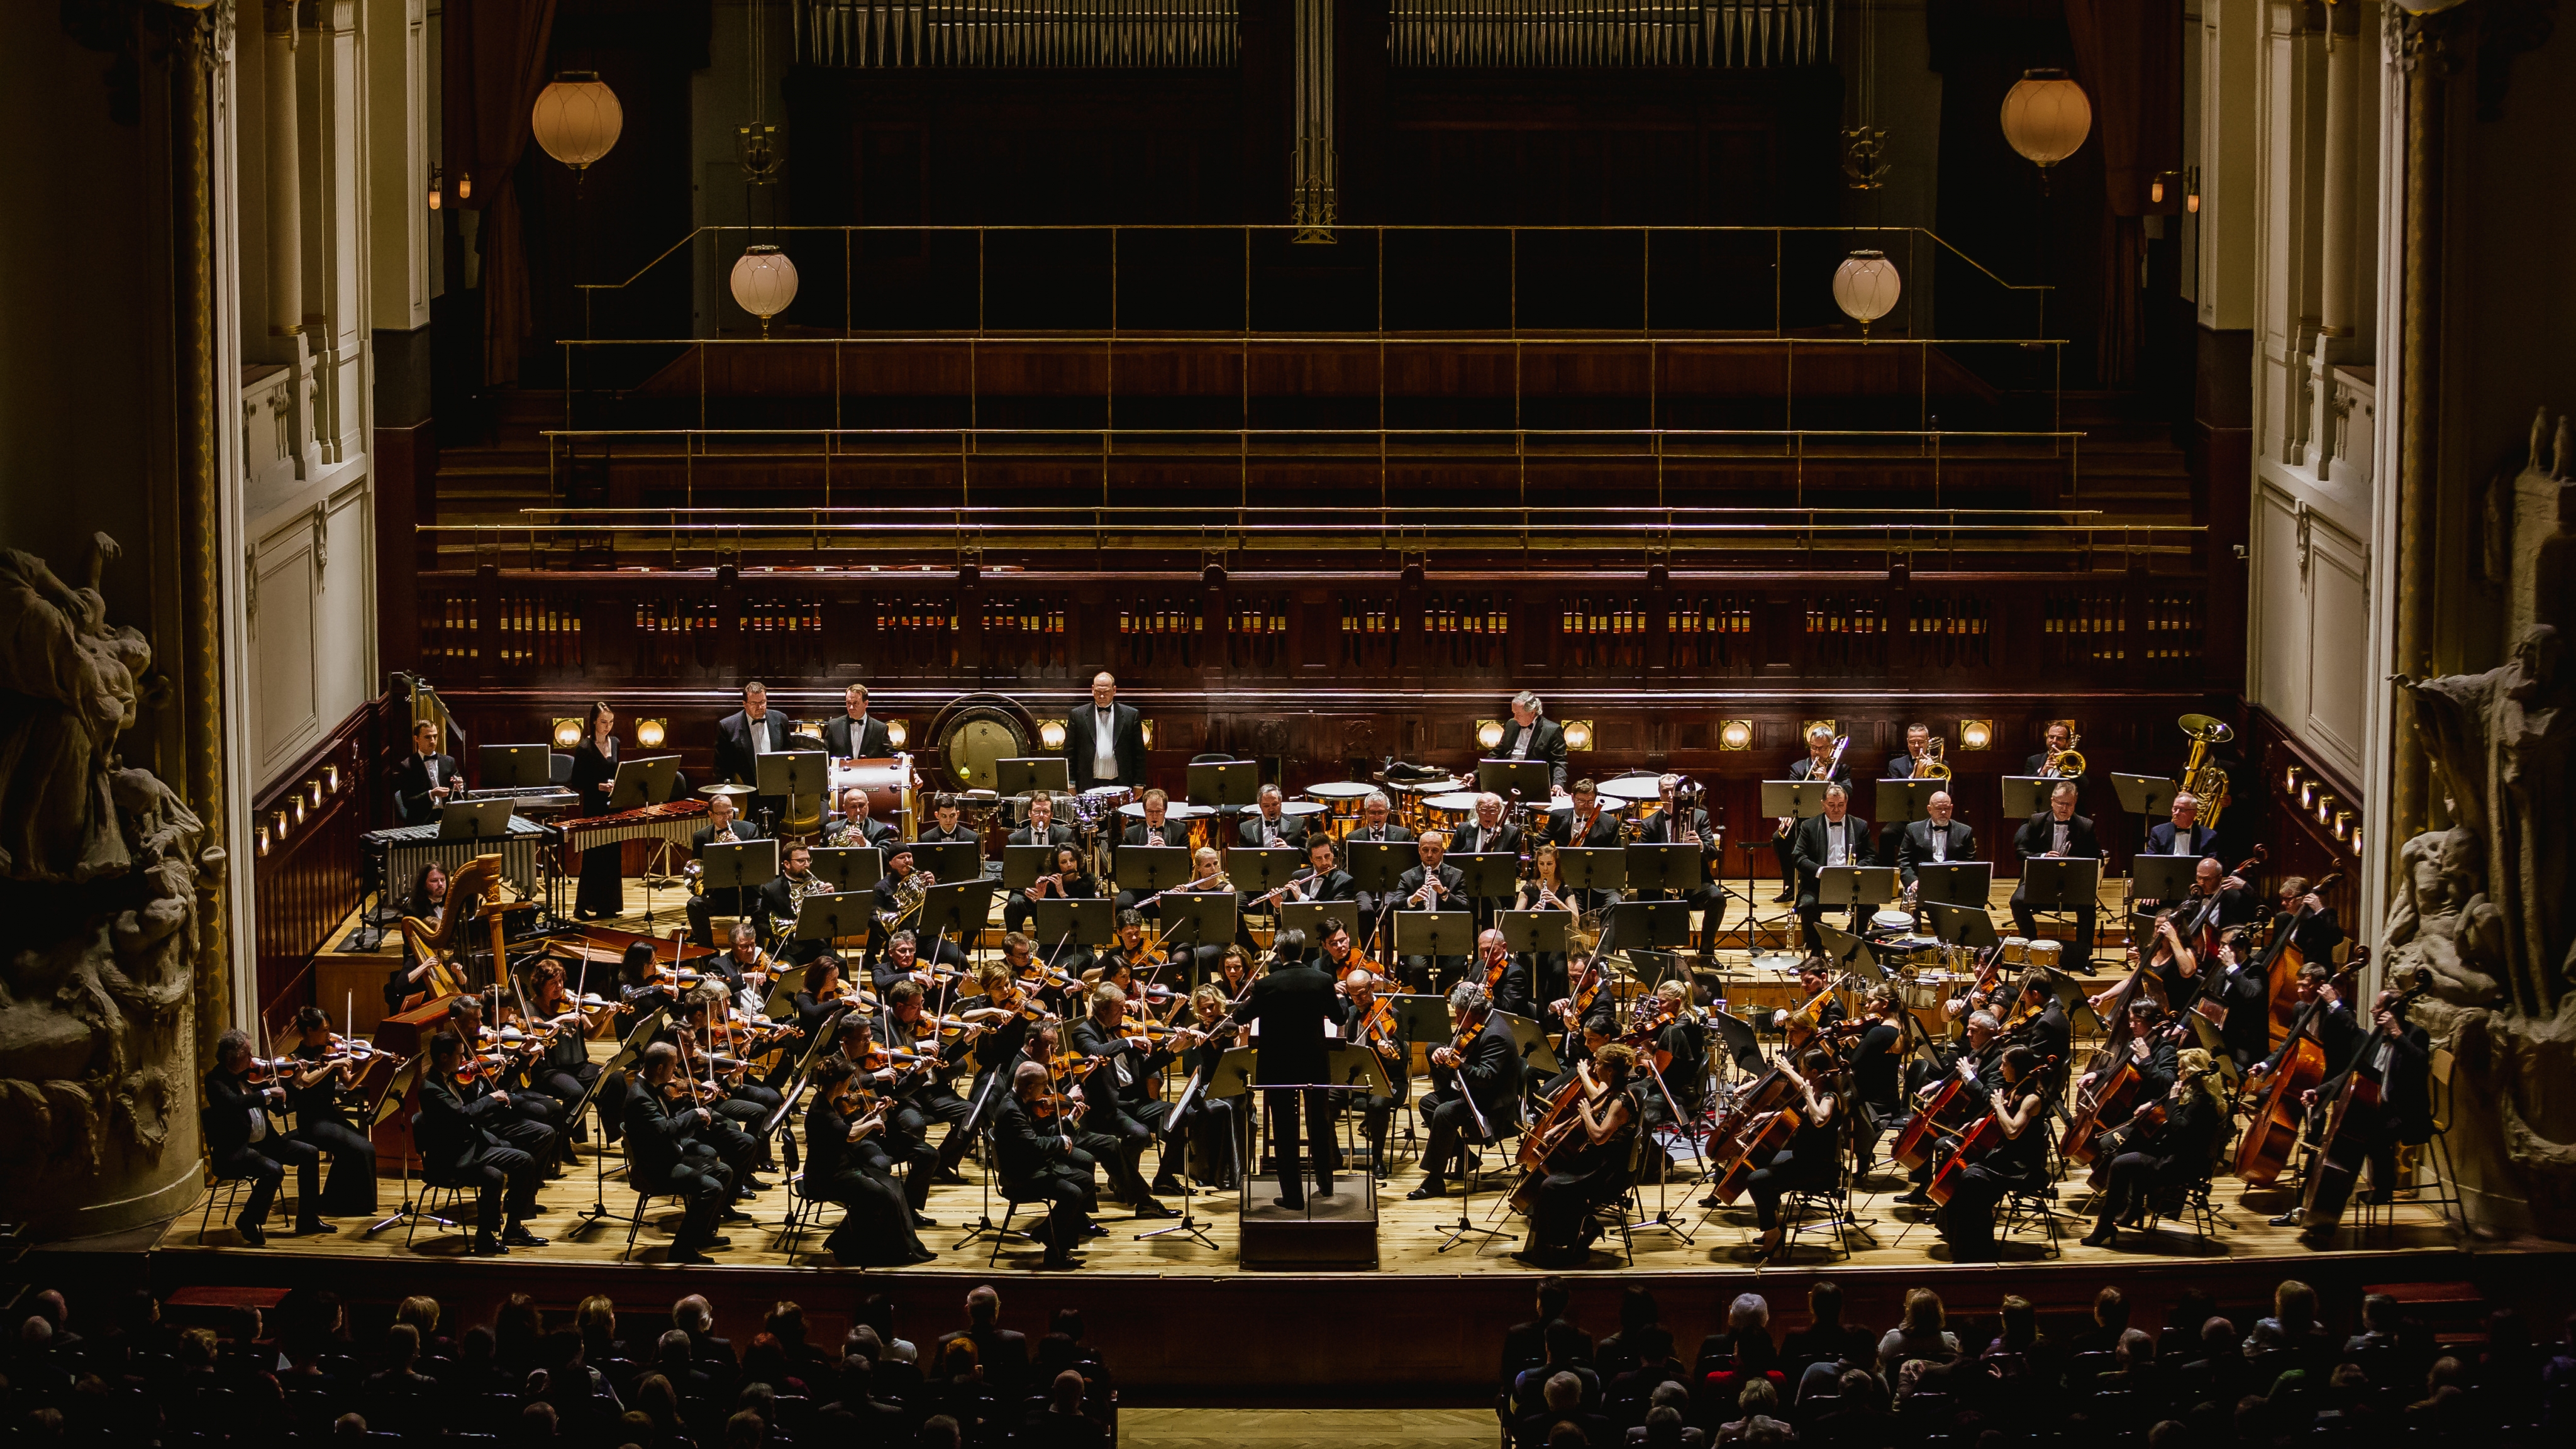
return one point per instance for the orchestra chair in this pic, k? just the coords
(2029, 1211)
(2442, 1194)
(644, 1197)
(802, 1211)
(446, 1213)
(1618, 1214)
(558, 768)
(1013, 1197)
(226, 1186)
(2189, 1205)
(1820, 1212)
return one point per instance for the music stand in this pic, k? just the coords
(796, 776)
(1376, 865)
(1022, 865)
(1797, 799)
(1027, 774)
(1529, 932)
(1530, 782)
(1593, 868)
(1851, 952)
(2150, 797)
(948, 861)
(1223, 783)
(1208, 916)
(738, 865)
(1303, 916)
(827, 918)
(1743, 1046)
(2027, 795)
(849, 867)
(1856, 885)
(1434, 934)
(1260, 869)
(1962, 925)
(514, 767)
(2162, 877)
(2060, 883)
(1902, 802)
(1955, 883)
(963, 906)
(1649, 925)
(648, 780)
(1530, 1044)
(1672, 868)
(1146, 869)
(474, 819)
(1491, 875)
(1090, 922)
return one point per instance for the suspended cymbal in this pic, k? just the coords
(2204, 727)
(735, 793)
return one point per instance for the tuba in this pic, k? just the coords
(2201, 774)
(1931, 766)
(2067, 763)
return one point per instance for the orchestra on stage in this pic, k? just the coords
(1096, 990)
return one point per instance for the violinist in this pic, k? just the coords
(1370, 1019)
(844, 1164)
(1877, 1071)
(1479, 1098)
(1123, 1064)
(783, 896)
(742, 969)
(1815, 973)
(822, 999)
(2395, 1055)
(463, 1135)
(887, 1077)
(323, 1066)
(902, 962)
(563, 1069)
(2019, 1164)
(2049, 1032)
(2171, 1154)
(1976, 1058)
(642, 984)
(243, 1141)
(691, 1034)
(1506, 976)
(996, 1022)
(1208, 1123)
(907, 1025)
(1022, 907)
(1431, 886)
(1807, 1164)
(1037, 1161)
(672, 1149)
(1600, 1013)
(1682, 1042)
(529, 1119)
(1591, 1169)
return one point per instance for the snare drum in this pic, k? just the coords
(1447, 812)
(2016, 951)
(1341, 800)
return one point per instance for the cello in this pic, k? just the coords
(2336, 1165)
(2113, 1066)
(1983, 1137)
(1764, 1131)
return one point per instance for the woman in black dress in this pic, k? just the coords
(1812, 1158)
(594, 777)
(1593, 1167)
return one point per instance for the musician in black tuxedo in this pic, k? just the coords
(1669, 827)
(1375, 828)
(780, 898)
(2060, 737)
(426, 778)
(1479, 1096)
(457, 1143)
(1430, 886)
(853, 825)
(1531, 735)
(744, 736)
(1918, 752)
(1158, 828)
(1837, 837)
(1939, 838)
(2309, 920)
(1271, 824)
(1583, 824)
(945, 827)
(1104, 741)
(2396, 1055)
(1041, 829)
(2183, 834)
(722, 828)
(243, 1140)
(855, 736)
(1291, 1005)
(2238, 984)
(1489, 833)
(671, 1156)
(2058, 833)
(1329, 882)
(1820, 764)
(1118, 1088)
(1037, 1161)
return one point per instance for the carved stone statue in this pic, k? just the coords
(100, 870)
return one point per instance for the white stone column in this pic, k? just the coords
(2338, 299)
(285, 184)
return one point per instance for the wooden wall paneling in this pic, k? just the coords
(307, 879)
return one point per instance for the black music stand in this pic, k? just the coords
(1434, 934)
(1487, 875)
(1376, 865)
(1091, 922)
(795, 776)
(2166, 878)
(474, 819)
(1225, 784)
(1796, 799)
(1527, 784)
(849, 867)
(1649, 925)
(1260, 869)
(1147, 869)
(963, 906)
(1027, 774)
(1962, 925)
(1902, 802)
(827, 918)
(948, 861)
(739, 865)
(1856, 885)
(1208, 917)
(1593, 868)
(514, 767)
(2060, 883)
(2027, 795)
(1529, 1041)
(1021, 864)
(1851, 953)
(1303, 916)
(1672, 868)
(1741, 1043)
(2149, 797)
(1955, 883)
(648, 780)
(1535, 931)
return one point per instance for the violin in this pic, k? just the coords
(1372, 1030)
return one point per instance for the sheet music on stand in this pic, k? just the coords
(644, 780)
(849, 867)
(1535, 931)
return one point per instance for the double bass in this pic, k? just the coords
(2281, 967)
(2336, 1165)
(2263, 1153)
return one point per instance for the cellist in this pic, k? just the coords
(1592, 1167)
(1974, 1060)
(2174, 1153)
(2018, 1164)
(1808, 1162)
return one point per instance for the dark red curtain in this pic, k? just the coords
(2128, 55)
(495, 59)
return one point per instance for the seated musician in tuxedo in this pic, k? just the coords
(2395, 1055)
(1939, 838)
(2238, 993)
(1124, 1068)
(1323, 879)
(1533, 736)
(852, 825)
(744, 736)
(426, 779)
(1819, 764)
(1917, 752)
(1376, 827)
(1478, 1095)
(722, 828)
(2310, 921)
(2058, 833)
(671, 1144)
(1430, 886)
(461, 1132)
(1582, 824)
(1669, 827)
(855, 736)
(1382, 1031)
(1042, 829)
(1489, 833)
(1270, 823)
(783, 896)
(533, 1121)
(2183, 834)
(1505, 974)
(2154, 1049)
(1104, 741)
(1037, 1161)
(893, 921)
(1837, 837)
(2061, 737)
(902, 958)
(1974, 1058)
(1157, 829)
(244, 1141)
(945, 828)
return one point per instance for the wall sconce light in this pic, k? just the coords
(2191, 188)
(2307, 794)
(649, 733)
(313, 793)
(295, 803)
(260, 839)
(898, 733)
(1147, 726)
(1976, 734)
(277, 826)
(1735, 734)
(567, 732)
(435, 199)
(1051, 733)
(465, 186)
(2290, 780)
(331, 778)
(1578, 735)
(1489, 734)
(2356, 840)
(2325, 807)
(2343, 825)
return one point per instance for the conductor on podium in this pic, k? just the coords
(1291, 1005)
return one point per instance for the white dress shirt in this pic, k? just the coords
(1104, 743)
